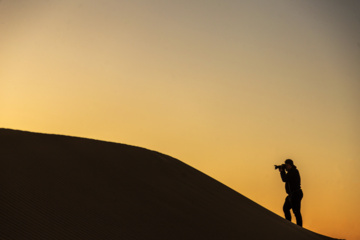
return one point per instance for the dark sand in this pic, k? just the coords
(60, 187)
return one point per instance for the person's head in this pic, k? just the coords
(289, 164)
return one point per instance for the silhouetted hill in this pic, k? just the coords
(60, 187)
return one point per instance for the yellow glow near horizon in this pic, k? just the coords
(228, 87)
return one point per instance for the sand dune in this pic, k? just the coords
(60, 187)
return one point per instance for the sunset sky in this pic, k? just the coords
(228, 87)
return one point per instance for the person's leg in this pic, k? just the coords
(286, 208)
(296, 206)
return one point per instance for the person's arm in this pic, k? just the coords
(284, 176)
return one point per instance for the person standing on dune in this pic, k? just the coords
(293, 189)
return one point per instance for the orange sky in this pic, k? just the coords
(229, 87)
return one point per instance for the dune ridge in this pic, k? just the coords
(61, 187)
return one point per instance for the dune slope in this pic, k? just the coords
(60, 187)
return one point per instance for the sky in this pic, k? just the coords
(228, 87)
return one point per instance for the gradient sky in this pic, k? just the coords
(228, 87)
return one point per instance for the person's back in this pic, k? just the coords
(292, 179)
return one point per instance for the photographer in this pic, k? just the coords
(293, 189)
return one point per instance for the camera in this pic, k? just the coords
(282, 166)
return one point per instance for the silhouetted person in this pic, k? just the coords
(293, 189)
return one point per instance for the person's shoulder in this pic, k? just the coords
(294, 170)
